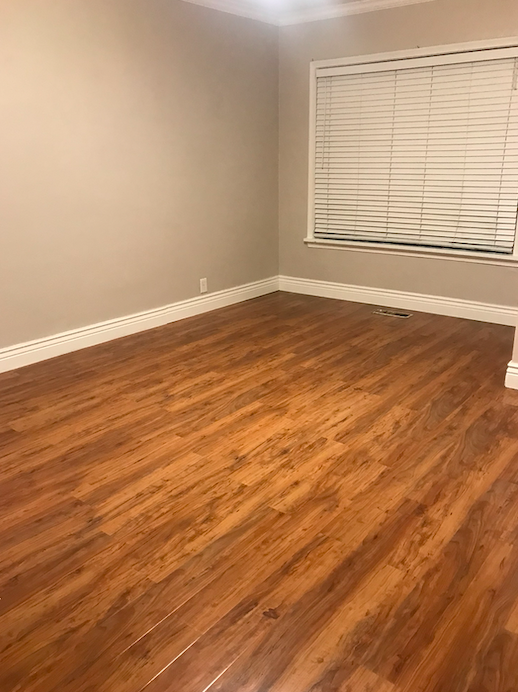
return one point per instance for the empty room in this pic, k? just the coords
(258, 366)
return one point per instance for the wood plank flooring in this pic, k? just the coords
(288, 495)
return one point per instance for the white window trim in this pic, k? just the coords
(326, 66)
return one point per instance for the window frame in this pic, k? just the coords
(480, 50)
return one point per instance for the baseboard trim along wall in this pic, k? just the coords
(511, 377)
(438, 305)
(42, 349)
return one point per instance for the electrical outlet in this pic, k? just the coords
(203, 286)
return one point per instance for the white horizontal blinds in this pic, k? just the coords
(420, 155)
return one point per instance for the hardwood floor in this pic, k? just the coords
(287, 495)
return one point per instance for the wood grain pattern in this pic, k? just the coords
(287, 495)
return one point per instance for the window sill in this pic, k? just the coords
(404, 251)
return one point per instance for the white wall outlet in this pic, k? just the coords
(203, 286)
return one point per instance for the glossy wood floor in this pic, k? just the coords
(288, 495)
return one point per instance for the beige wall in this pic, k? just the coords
(434, 23)
(138, 150)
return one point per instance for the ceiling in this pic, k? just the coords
(283, 12)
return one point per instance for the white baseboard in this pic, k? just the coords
(41, 349)
(438, 305)
(511, 377)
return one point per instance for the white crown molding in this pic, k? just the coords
(238, 8)
(333, 11)
(438, 305)
(41, 349)
(511, 377)
(314, 14)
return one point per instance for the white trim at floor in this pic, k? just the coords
(438, 305)
(511, 377)
(41, 349)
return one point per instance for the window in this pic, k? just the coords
(417, 152)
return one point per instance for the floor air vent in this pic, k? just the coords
(388, 312)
